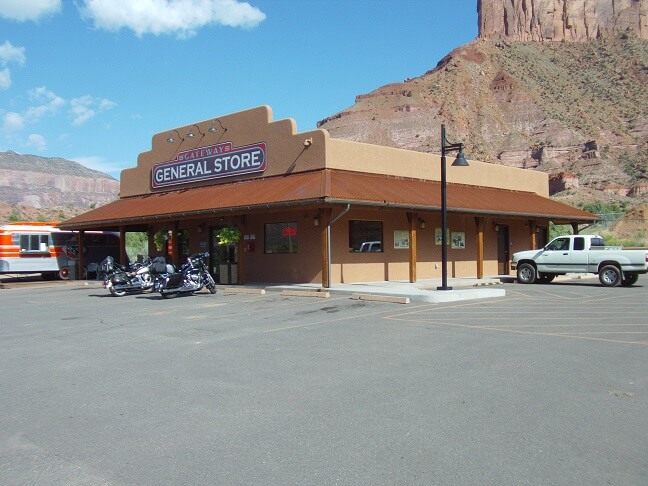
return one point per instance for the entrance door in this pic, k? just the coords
(503, 249)
(223, 260)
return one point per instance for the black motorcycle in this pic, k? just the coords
(137, 277)
(191, 277)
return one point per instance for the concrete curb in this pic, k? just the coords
(305, 293)
(243, 290)
(381, 298)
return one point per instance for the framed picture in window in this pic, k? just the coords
(458, 240)
(401, 239)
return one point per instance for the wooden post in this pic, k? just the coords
(123, 257)
(81, 259)
(152, 249)
(325, 218)
(479, 224)
(533, 242)
(175, 246)
(575, 228)
(240, 264)
(412, 218)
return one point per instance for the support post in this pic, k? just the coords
(412, 218)
(479, 224)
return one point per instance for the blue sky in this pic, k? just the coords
(93, 80)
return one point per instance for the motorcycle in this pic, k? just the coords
(191, 277)
(138, 277)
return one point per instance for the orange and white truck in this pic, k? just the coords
(41, 247)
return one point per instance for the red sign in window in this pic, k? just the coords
(288, 231)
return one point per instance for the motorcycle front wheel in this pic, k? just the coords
(211, 285)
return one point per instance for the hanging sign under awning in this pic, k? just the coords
(211, 162)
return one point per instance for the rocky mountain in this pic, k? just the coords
(33, 187)
(576, 110)
(561, 20)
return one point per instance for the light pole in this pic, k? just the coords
(460, 161)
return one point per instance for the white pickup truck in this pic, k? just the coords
(580, 254)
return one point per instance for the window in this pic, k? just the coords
(365, 236)
(597, 241)
(34, 243)
(579, 243)
(281, 237)
(559, 244)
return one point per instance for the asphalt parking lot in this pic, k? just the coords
(547, 385)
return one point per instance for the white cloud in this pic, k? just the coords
(10, 53)
(180, 17)
(86, 107)
(37, 142)
(28, 9)
(13, 122)
(51, 103)
(5, 79)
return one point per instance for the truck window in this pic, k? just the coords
(559, 244)
(579, 243)
(597, 242)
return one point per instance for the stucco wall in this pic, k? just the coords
(290, 152)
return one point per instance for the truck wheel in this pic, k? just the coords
(526, 273)
(629, 279)
(610, 276)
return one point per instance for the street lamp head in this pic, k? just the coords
(460, 161)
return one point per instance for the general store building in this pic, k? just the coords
(311, 209)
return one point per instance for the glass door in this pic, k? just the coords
(223, 259)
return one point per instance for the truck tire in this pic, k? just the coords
(629, 279)
(610, 276)
(63, 273)
(526, 273)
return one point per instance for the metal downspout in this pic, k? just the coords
(328, 239)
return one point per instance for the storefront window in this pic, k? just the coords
(365, 236)
(281, 237)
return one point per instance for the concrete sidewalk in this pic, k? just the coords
(421, 291)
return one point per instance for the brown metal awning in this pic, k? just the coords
(324, 187)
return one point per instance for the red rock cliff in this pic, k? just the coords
(561, 20)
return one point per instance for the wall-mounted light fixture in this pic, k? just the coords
(308, 142)
(191, 134)
(213, 128)
(170, 138)
(316, 221)
(200, 228)
(421, 223)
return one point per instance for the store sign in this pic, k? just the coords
(211, 162)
